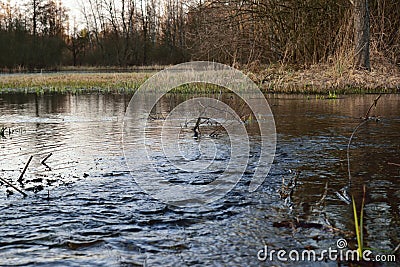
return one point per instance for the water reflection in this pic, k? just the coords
(97, 215)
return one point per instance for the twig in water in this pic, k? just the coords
(286, 190)
(348, 149)
(2, 130)
(396, 249)
(44, 161)
(338, 230)
(196, 129)
(23, 172)
(366, 117)
(216, 132)
(395, 164)
(15, 188)
(342, 193)
(323, 195)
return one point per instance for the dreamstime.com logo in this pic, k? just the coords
(340, 253)
(146, 162)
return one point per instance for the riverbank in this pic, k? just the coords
(315, 80)
(318, 79)
(73, 82)
(339, 77)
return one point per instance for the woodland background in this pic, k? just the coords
(39, 34)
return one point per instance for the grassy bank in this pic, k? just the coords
(315, 80)
(319, 79)
(339, 77)
(73, 82)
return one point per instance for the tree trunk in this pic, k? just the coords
(34, 18)
(361, 34)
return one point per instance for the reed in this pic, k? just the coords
(332, 95)
(359, 224)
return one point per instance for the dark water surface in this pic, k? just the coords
(84, 208)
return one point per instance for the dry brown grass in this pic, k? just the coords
(338, 77)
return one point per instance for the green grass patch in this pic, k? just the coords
(359, 224)
(72, 82)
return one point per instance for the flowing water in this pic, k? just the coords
(84, 208)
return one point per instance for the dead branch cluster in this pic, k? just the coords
(21, 176)
(286, 192)
(287, 188)
(205, 121)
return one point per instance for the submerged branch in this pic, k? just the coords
(343, 192)
(366, 117)
(2, 131)
(348, 149)
(15, 188)
(46, 158)
(44, 161)
(25, 168)
(196, 129)
(321, 201)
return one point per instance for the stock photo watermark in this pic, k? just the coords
(143, 154)
(339, 253)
